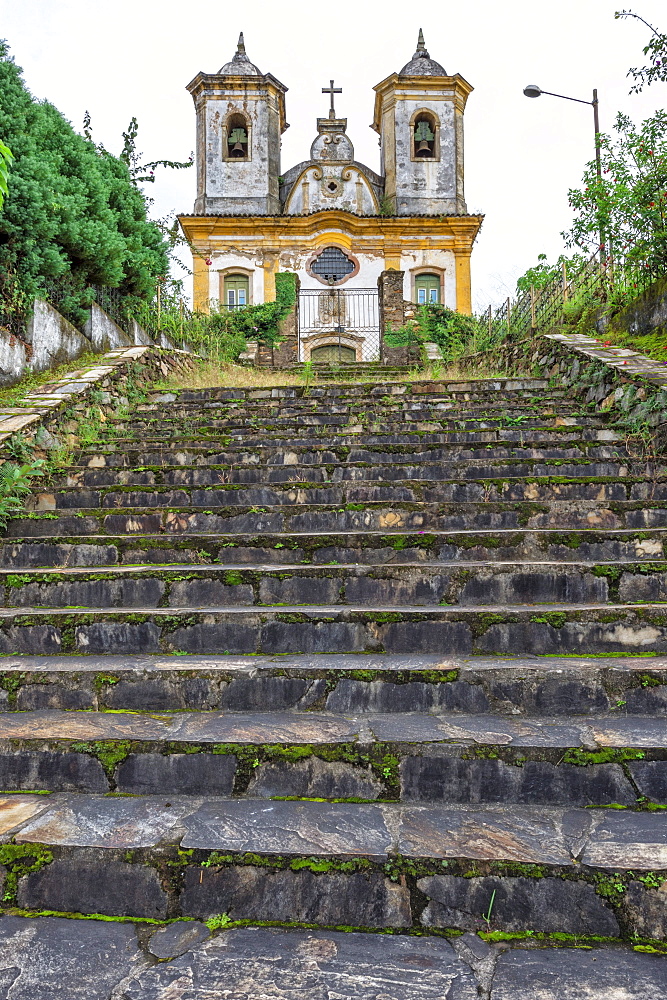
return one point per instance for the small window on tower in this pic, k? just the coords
(423, 137)
(237, 140)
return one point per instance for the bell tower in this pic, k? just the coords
(419, 117)
(240, 118)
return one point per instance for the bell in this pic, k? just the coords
(238, 150)
(423, 147)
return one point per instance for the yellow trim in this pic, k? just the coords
(201, 289)
(270, 236)
(463, 284)
(271, 266)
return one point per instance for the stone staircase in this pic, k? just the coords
(347, 658)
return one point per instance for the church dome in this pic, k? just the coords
(240, 64)
(421, 63)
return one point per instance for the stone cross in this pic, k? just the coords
(332, 90)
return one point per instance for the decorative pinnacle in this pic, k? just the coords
(240, 48)
(421, 47)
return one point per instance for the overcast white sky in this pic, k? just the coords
(130, 58)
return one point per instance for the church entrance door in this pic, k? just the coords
(346, 321)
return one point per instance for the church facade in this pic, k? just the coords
(330, 219)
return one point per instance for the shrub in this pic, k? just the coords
(72, 212)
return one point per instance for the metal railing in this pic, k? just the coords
(331, 317)
(537, 309)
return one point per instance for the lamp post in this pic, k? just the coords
(532, 90)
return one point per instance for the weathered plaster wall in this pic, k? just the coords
(13, 357)
(371, 264)
(425, 187)
(50, 340)
(244, 260)
(138, 334)
(438, 261)
(237, 187)
(54, 340)
(351, 192)
(102, 332)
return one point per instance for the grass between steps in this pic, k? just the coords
(223, 922)
(205, 374)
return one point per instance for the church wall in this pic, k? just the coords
(425, 186)
(371, 266)
(311, 191)
(440, 261)
(223, 262)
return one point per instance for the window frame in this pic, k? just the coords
(435, 128)
(322, 280)
(229, 126)
(437, 284)
(240, 279)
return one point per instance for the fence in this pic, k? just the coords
(541, 308)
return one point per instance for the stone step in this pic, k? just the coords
(559, 514)
(383, 865)
(239, 750)
(536, 686)
(378, 388)
(368, 548)
(561, 629)
(483, 445)
(319, 454)
(421, 419)
(509, 408)
(416, 584)
(479, 489)
(358, 470)
(373, 394)
(423, 967)
(352, 433)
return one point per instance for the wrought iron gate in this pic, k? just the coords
(339, 325)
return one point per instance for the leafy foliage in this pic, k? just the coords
(449, 329)
(221, 333)
(72, 212)
(656, 50)
(6, 157)
(543, 274)
(455, 333)
(15, 484)
(630, 201)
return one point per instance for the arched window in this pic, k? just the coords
(237, 139)
(236, 291)
(427, 288)
(424, 131)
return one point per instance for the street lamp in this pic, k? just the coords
(532, 90)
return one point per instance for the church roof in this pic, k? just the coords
(421, 63)
(240, 65)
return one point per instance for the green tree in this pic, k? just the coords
(6, 157)
(543, 274)
(72, 213)
(630, 201)
(656, 50)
